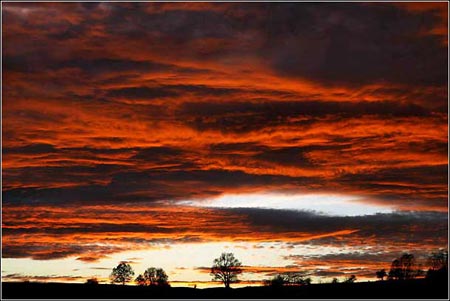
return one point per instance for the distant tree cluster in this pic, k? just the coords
(288, 279)
(153, 277)
(226, 268)
(405, 267)
(438, 262)
(350, 279)
(123, 273)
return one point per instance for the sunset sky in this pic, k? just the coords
(299, 136)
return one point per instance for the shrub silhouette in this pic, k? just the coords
(350, 279)
(92, 281)
(276, 281)
(381, 274)
(122, 273)
(288, 279)
(226, 269)
(140, 280)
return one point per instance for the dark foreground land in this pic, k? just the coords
(411, 289)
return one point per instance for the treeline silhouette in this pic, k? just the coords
(405, 267)
(226, 269)
(404, 280)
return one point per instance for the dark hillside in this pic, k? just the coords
(412, 289)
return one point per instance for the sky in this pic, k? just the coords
(299, 136)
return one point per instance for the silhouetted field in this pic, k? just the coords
(408, 289)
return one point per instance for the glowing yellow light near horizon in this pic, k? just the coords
(181, 262)
(329, 204)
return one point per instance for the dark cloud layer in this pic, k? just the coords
(356, 44)
(386, 233)
(245, 116)
(399, 226)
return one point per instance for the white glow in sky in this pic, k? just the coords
(340, 205)
(180, 261)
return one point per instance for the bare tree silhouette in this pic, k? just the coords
(226, 269)
(408, 263)
(403, 268)
(395, 273)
